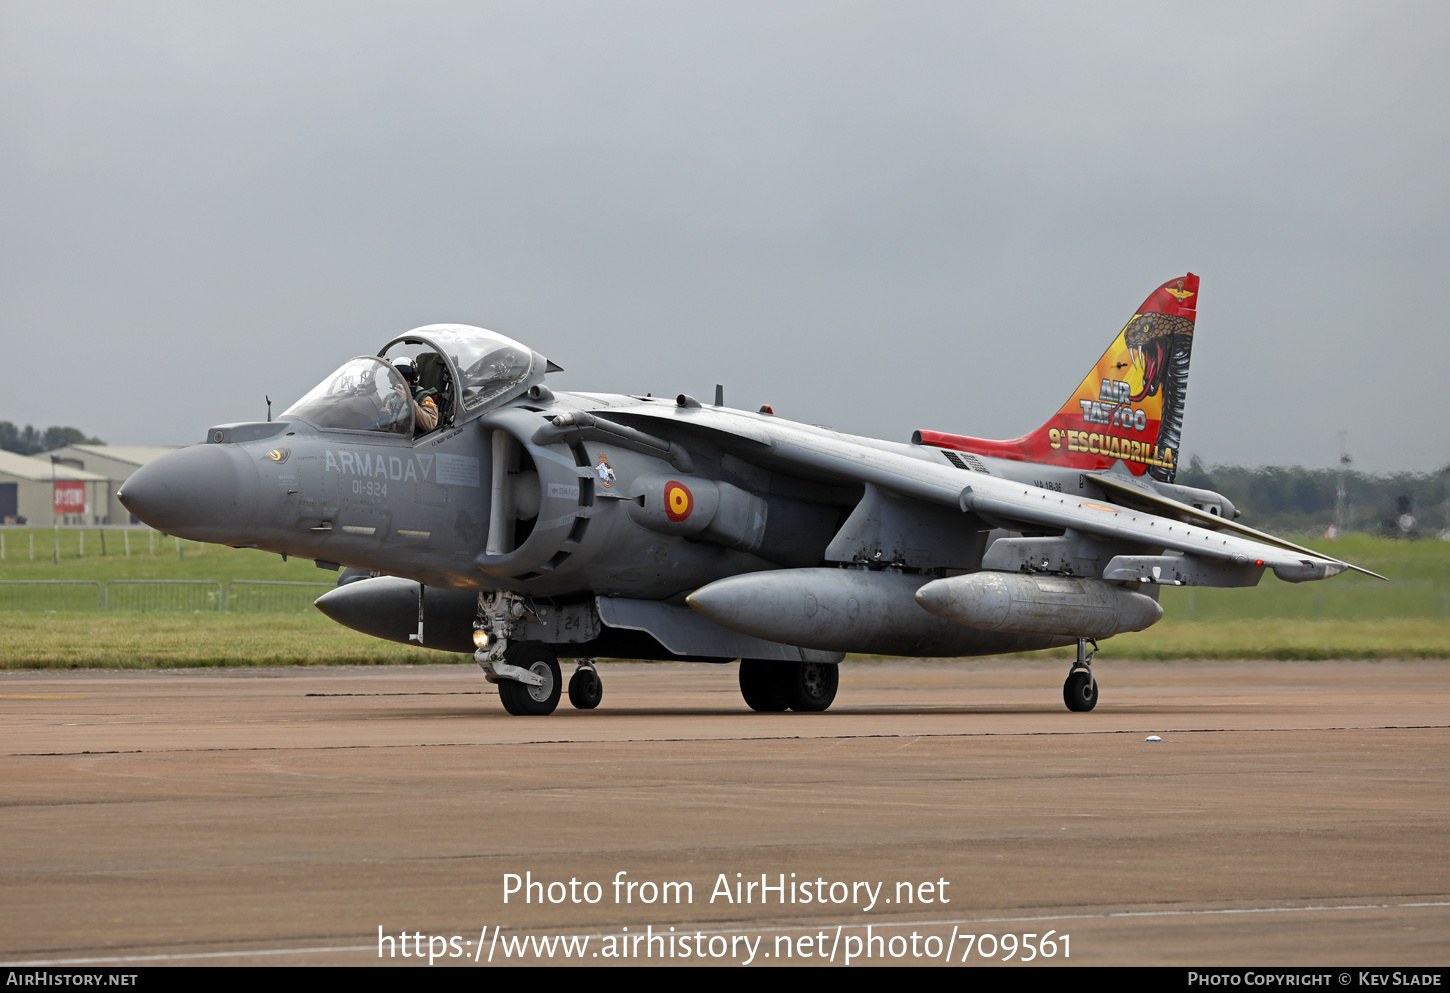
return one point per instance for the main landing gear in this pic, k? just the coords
(1080, 692)
(771, 687)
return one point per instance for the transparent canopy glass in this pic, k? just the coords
(365, 394)
(489, 364)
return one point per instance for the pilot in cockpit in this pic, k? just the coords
(425, 407)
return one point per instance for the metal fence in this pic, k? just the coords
(51, 594)
(189, 595)
(257, 596)
(242, 596)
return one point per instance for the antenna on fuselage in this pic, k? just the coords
(269, 408)
(719, 395)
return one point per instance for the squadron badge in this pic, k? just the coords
(605, 470)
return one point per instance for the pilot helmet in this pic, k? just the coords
(405, 368)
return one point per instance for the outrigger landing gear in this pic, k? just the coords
(585, 687)
(1080, 692)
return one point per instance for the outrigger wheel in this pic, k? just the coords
(521, 699)
(585, 687)
(1080, 692)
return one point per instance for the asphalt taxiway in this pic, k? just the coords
(1292, 812)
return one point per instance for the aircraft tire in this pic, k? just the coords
(586, 689)
(1080, 692)
(760, 685)
(523, 700)
(810, 687)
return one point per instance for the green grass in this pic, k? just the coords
(1393, 638)
(177, 640)
(1349, 616)
(153, 556)
(1419, 587)
(164, 639)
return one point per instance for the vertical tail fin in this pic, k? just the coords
(1129, 407)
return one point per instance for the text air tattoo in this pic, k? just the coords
(522, 525)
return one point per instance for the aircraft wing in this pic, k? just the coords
(1175, 508)
(1116, 523)
(918, 473)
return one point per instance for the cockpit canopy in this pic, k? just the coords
(365, 394)
(488, 366)
(467, 371)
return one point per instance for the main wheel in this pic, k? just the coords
(760, 685)
(586, 689)
(521, 699)
(809, 687)
(1080, 692)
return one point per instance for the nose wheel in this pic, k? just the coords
(585, 687)
(540, 694)
(1080, 692)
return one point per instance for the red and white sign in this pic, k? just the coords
(70, 497)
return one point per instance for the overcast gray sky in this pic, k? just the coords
(880, 216)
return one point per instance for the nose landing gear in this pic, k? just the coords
(534, 688)
(1080, 692)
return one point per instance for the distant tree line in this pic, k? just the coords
(1292, 498)
(28, 441)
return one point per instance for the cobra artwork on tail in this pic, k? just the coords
(1128, 408)
(1161, 345)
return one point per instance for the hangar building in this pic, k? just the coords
(86, 478)
(116, 463)
(26, 492)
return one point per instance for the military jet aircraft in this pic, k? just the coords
(529, 525)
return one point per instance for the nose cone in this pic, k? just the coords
(206, 493)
